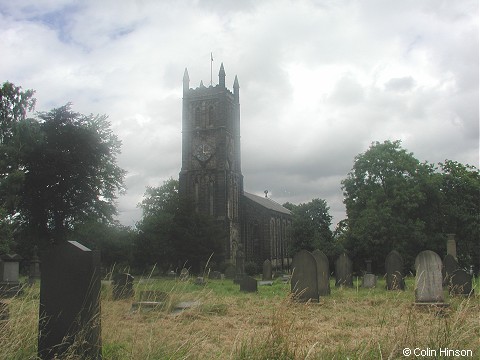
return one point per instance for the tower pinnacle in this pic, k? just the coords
(221, 76)
(186, 80)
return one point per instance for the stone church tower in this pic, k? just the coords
(211, 172)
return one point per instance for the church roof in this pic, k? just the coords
(267, 203)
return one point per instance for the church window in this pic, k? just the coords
(211, 196)
(198, 120)
(211, 116)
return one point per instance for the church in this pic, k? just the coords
(211, 175)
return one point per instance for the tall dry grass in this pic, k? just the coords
(351, 323)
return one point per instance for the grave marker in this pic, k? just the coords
(267, 270)
(248, 284)
(304, 284)
(449, 266)
(428, 278)
(323, 272)
(394, 269)
(9, 275)
(123, 286)
(343, 271)
(461, 283)
(69, 311)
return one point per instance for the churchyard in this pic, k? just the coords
(222, 322)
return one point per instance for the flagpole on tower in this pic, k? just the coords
(211, 64)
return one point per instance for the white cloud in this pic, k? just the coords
(319, 80)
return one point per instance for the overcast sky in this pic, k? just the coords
(319, 81)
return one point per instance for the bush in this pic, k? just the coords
(251, 268)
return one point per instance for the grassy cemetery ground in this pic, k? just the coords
(352, 323)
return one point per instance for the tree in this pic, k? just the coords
(70, 173)
(311, 227)
(14, 128)
(392, 202)
(172, 233)
(460, 186)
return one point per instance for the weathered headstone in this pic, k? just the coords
(460, 283)
(34, 271)
(184, 274)
(304, 284)
(343, 271)
(323, 272)
(230, 272)
(369, 280)
(9, 275)
(267, 270)
(394, 269)
(451, 245)
(248, 284)
(69, 315)
(199, 280)
(239, 264)
(449, 266)
(428, 278)
(123, 286)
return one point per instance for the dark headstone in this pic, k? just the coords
(123, 286)
(267, 270)
(394, 269)
(230, 272)
(70, 302)
(460, 283)
(323, 273)
(343, 271)
(449, 266)
(428, 278)
(369, 281)
(304, 284)
(368, 263)
(248, 284)
(239, 264)
(215, 275)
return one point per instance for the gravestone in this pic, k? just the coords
(199, 280)
(343, 271)
(449, 266)
(394, 269)
(9, 275)
(123, 286)
(248, 284)
(460, 283)
(369, 280)
(323, 272)
(34, 271)
(304, 284)
(267, 270)
(451, 245)
(184, 274)
(70, 302)
(239, 264)
(230, 272)
(428, 278)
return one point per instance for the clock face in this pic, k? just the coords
(203, 152)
